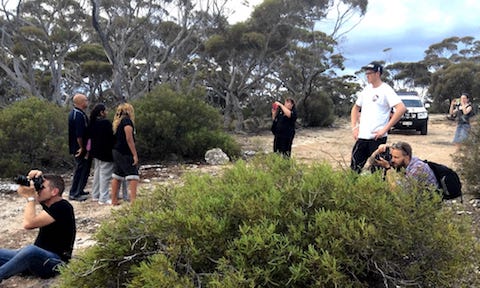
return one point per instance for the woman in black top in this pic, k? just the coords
(283, 127)
(125, 156)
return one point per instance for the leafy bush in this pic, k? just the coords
(182, 124)
(318, 111)
(468, 160)
(33, 134)
(274, 223)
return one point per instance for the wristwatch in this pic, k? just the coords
(30, 199)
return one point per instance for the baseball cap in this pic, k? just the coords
(374, 66)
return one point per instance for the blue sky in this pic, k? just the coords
(408, 27)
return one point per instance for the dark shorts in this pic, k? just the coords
(123, 167)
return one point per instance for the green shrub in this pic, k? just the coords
(275, 223)
(317, 111)
(173, 123)
(33, 135)
(468, 160)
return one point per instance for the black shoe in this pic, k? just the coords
(84, 193)
(80, 198)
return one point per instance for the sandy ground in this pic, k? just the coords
(323, 144)
(334, 144)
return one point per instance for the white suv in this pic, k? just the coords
(416, 116)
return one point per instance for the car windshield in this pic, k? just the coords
(412, 103)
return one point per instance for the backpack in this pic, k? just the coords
(448, 180)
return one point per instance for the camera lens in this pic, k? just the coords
(22, 180)
(25, 181)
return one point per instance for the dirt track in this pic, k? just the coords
(334, 144)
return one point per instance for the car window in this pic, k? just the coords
(412, 103)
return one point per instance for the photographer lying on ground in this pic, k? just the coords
(402, 160)
(54, 243)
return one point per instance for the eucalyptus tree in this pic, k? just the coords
(234, 59)
(453, 80)
(304, 71)
(88, 68)
(147, 42)
(452, 50)
(411, 75)
(308, 69)
(454, 63)
(9, 90)
(36, 38)
(278, 47)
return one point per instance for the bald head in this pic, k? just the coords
(80, 101)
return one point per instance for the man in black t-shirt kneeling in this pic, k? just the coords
(57, 230)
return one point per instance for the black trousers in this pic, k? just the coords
(283, 145)
(80, 176)
(362, 149)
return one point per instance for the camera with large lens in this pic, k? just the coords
(25, 181)
(385, 155)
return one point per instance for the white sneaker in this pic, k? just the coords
(108, 202)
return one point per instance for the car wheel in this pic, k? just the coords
(424, 129)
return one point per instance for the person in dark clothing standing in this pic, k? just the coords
(56, 222)
(125, 156)
(101, 143)
(283, 127)
(77, 140)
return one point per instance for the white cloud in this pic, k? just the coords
(384, 15)
(241, 10)
(408, 27)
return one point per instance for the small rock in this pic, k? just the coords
(475, 202)
(216, 157)
(8, 187)
(461, 212)
(248, 154)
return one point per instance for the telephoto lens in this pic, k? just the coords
(25, 181)
(22, 180)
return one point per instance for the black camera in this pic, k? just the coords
(385, 155)
(25, 181)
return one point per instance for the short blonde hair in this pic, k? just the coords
(124, 110)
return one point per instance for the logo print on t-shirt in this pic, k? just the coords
(375, 97)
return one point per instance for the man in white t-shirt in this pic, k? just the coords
(371, 116)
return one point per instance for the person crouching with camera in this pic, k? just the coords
(56, 222)
(400, 157)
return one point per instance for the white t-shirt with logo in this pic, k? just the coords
(376, 104)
